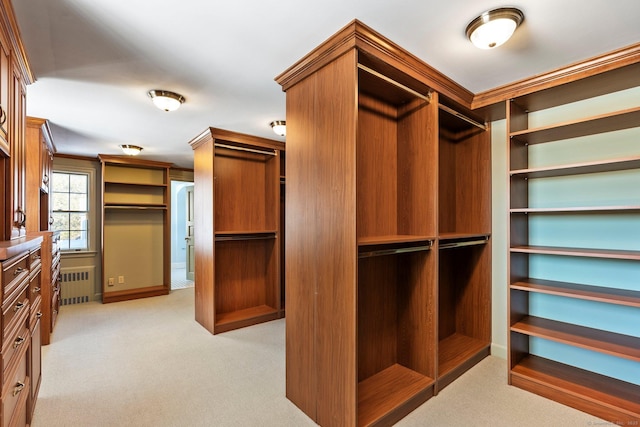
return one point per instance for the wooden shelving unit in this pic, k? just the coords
(388, 202)
(136, 231)
(567, 377)
(237, 223)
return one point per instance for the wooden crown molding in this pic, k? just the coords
(236, 138)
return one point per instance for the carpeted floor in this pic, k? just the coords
(148, 363)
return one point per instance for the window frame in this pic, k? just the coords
(90, 212)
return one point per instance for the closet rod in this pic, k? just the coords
(466, 243)
(426, 98)
(482, 126)
(251, 150)
(394, 251)
(245, 237)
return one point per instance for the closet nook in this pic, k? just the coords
(388, 257)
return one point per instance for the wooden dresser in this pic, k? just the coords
(21, 301)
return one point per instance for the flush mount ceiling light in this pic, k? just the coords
(131, 150)
(279, 127)
(166, 100)
(494, 27)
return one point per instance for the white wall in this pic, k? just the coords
(499, 244)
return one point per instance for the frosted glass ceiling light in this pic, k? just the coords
(494, 27)
(279, 127)
(131, 150)
(166, 100)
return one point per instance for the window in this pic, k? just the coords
(70, 192)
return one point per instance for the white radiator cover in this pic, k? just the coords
(77, 284)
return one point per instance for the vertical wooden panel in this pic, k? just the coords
(336, 249)
(377, 171)
(204, 235)
(301, 270)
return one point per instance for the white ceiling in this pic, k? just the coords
(95, 60)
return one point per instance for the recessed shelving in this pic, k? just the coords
(578, 252)
(618, 345)
(609, 165)
(574, 290)
(617, 120)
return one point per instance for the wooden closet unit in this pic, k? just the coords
(590, 116)
(237, 238)
(378, 317)
(135, 228)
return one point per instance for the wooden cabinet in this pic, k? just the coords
(39, 165)
(20, 351)
(388, 220)
(49, 284)
(135, 228)
(574, 303)
(16, 119)
(236, 228)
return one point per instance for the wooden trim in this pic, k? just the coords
(130, 294)
(75, 157)
(576, 71)
(18, 50)
(357, 35)
(130, 161)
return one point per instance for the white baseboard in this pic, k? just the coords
(499, 351)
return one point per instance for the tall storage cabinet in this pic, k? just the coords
(574, 300)
(237, 221)
(388, 218)
(135, 231)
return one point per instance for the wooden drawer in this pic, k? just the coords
(35, 287)
(36, 312)
(15, 394)
(14, 272)
(34, 259)
(12, 311)
(55, 307)
(14, 345)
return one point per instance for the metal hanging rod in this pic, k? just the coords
(251, 150)
(426, 98)
(465, 243)
(449, 110)
(394, 251)
(226, 238)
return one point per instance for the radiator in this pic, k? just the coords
(77, 284)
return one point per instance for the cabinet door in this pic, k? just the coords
(46, 159)
(5, 79)
(17, 148)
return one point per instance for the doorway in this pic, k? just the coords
(181, 236)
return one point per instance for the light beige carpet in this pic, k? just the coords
(148, 363)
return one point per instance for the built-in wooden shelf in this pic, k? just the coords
(574, 290)
(135, 184)
(248, 316)
(609, 122)
(245, 235)
(392, 388)
(134, 206)
(578, 252)
(610, 165)
(579, 210)
(624, 346)
(455, 349)
(603, 396)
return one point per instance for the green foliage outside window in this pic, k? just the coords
(70, 198)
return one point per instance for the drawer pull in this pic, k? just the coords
(18, 388)
(36, 290)
(18, 271)
(18, 306)
(18, 342)
(39, 315)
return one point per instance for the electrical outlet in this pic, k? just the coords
(120, 279)
(111, 281)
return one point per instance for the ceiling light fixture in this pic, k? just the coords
(494, 27)
(166, 100)
(279, 127)
(130, 150)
